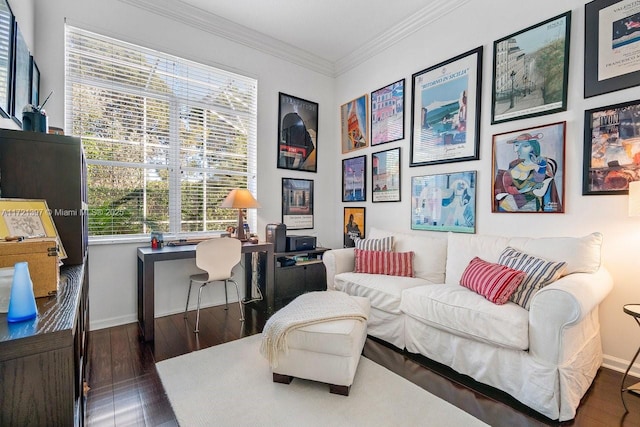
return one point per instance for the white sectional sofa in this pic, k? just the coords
(546, 356)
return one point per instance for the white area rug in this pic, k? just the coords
(231, 385)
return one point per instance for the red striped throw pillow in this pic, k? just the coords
(493, 281)
(381, 262)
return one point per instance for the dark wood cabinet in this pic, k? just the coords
(36, 165)
(308, 274)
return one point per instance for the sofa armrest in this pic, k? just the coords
(559, 306)
(338, 261)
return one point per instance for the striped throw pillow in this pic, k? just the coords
(538, 273)
(381, 262)
(383, 244)
(493, 281)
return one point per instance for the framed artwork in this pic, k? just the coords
(35, 83)
(611, 45)
(611, 148)
(445, 117)
(354, 179)
(297, 203)
(22, 84)
(354, 117)
(385, 176)
(297, 133)
(444, 202)
(387, 113)
(528, 170)
(7, 26)
(353, 225)
(531, 71)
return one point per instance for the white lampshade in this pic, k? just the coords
(634, 198)
(240, 198)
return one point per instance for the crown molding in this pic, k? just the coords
(403, 29)
(219, 26)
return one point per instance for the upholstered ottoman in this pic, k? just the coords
(326, 351)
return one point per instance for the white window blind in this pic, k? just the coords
(165, 138)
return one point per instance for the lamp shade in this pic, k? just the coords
(634, 198)
(240, 198)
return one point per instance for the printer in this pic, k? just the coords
(300, 243)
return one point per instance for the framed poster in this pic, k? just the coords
(297, 203)
(531, 71)
(611, 148)
(611, 45)
(7, 26)
(354, 117)
(354, 179)
(35, 83)
(387, 113)
(445, 117)
(297, 133)
(353, 225)
(22, 84)
(528, 170)
(385, 176)
(444, 202)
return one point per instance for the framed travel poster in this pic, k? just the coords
(387, 113)
(385, 175)
(297, 203)
(354, 179)
(531, 71)
(297, 133)
(445, 116)
(353, 225)
(528, 170)
(611, 45)
(611, 148)
(354, 117)
(444, 202)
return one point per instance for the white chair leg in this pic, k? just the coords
(239, 300)
(188, 295)
(196, 330)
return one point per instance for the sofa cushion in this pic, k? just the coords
(462, 312)
(430, 253)
(384, 244)
(538, 273)
(495, 282)
(384, 292)
(381, 262)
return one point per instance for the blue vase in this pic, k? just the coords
(22, 302)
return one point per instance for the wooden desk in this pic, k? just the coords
(147, 258)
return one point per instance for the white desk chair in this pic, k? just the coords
(216, 257)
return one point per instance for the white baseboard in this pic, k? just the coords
(621, 365)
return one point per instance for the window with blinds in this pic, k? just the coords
(165, 138)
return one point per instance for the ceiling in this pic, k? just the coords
(330, 36)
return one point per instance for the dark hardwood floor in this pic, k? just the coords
(126, 390)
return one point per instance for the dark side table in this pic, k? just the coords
(632, 310)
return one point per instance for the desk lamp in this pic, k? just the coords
(240, 198)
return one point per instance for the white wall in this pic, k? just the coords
(468, 27)
(112, 267)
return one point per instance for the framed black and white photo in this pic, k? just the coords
(297, 133)
(531, 71)
(297, 203)
(612, 46)
(385, 176)
(354, 179)
(445, 114)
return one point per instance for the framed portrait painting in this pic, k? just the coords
(444, 202)
(445, 115)
(297, 133)
(353, 225)
(531, 71)
(354, 179)
(297, 203)
(385, 175)
(354, 119)
(612, 46)
(387, 113)
(611, 148)
(528, 170)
